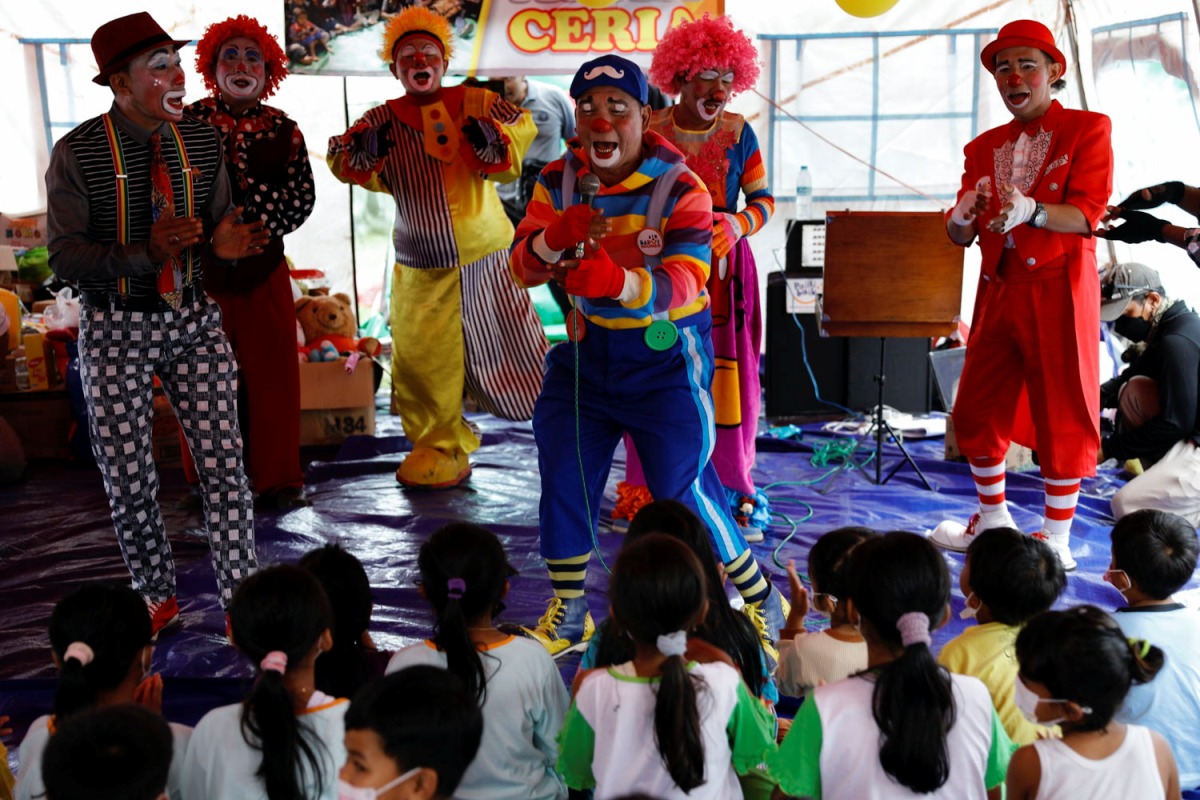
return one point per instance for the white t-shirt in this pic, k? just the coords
(522, 715)
(29, 764)
(1131, 770)
(814, 659)
(220, 764)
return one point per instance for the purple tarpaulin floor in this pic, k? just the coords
(56, 533)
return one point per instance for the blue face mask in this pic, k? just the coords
(347, 792)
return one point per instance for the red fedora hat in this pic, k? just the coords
(1022, 33)
(119, 41)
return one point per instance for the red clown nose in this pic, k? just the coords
(718, 97)
(1014, 80)
(601, 125)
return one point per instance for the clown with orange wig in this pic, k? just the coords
(458, 322)
(705, 63)
(242, 64)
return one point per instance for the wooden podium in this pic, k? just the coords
(889, 274)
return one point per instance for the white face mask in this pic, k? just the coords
(348, 792)
(969, 611)
(1026, 701)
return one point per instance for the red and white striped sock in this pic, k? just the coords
(989, 485)
(1062, 495)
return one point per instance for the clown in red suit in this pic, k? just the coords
(1032, 192)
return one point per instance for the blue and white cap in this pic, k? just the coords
(612, 71)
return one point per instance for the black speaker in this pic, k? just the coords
(908, 386)
(788, 388)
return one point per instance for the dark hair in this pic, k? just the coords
(890, 576)
(282, 608)
(1082, 655)
(120, 752)
(657, 588)
(110, 619)
(1014, 575)
(723, 626)
(829, 559)
(463, 572)
(342, 670)
(1156, 549)
(424, 717)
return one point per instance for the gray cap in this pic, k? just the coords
(1123, 283)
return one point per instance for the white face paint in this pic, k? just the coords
(241, 72)
(419, 64)
(610, 125)
(152, 91)
(707, 93)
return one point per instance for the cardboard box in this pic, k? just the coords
(335, 404)
(23, 232)
(37, 361)
(1019, 459)
(42, 421)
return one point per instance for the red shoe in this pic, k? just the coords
(163, 614)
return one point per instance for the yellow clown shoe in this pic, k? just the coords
(430, 468)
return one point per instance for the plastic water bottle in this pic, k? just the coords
(804, 194)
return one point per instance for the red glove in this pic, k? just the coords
(570, 228)
(595, 277)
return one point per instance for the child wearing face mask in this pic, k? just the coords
(1076, 668)
(1154, 556)
(814, 659)
(101, 643)
(1007, 579)
(409, 736)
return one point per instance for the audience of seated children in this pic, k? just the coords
(409, 736)
(464, 576)
(1076, 668)
(724, 628)
(353, 659)
(284, 740)
(101, 643)
(121, 752)
(705, 726)
(1154, 556)
(937, 733)
(815, 659)
(1007, 579)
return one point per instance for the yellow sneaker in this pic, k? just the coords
(769, 617)
(565, 627)
(430, 468)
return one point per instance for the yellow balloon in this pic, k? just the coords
(866, 8)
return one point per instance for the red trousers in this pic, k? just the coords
(261, 326)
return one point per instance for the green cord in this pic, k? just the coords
(587, 505)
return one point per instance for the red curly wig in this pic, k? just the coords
(416, 19)
(701, 44)
(217, 34)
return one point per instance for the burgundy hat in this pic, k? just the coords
(119, 41)
(1022, 33)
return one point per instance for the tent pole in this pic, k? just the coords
(350, 197)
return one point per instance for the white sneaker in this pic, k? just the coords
(751, 533)
(951, 535)
(1060, 543)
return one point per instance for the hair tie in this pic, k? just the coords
(274, 661)
(1140, 647)
(672, 644)
(81, 652)
(455, 588)
(914, 628)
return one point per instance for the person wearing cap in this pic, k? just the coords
(1032, 192)
(705, 63)
(242, 64)
(635, 255)
(1157, 396)
(457, 321)
(138, 204)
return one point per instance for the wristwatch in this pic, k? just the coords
(1039, 216)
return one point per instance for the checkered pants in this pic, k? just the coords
(120, 352)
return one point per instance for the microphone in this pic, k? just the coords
(589, 187)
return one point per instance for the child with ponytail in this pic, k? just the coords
(706, 726)
(937, 733)
(285, 740)
(1076, 668)
(464, 576)
(101, 642)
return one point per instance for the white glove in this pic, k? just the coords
(973, 202)
(1021, 211)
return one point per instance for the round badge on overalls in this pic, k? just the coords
(661, 335)
(576, 325)
(650, 241)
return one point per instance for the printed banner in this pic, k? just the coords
(492, 37)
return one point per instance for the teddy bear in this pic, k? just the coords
(329, 326)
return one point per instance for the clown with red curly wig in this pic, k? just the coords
(705, 63)
(458, 322)
(242, 64)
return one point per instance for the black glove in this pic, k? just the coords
(478, 134)
(1137, 226)
(375, 141)
(1170, 192)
